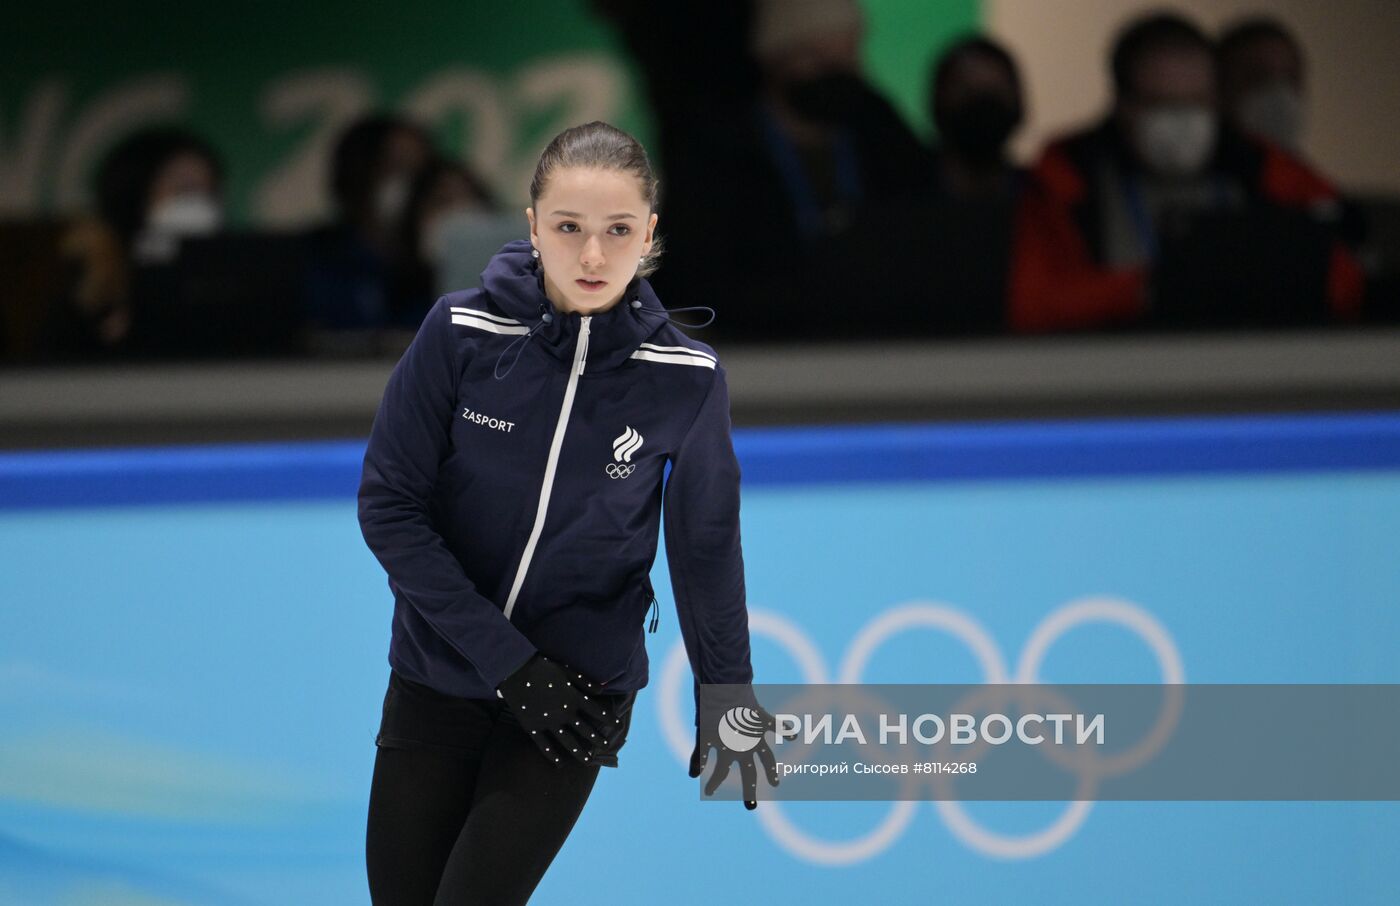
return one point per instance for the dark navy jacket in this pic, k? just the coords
(521, 513)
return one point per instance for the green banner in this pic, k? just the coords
(271, 85)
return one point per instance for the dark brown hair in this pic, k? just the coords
(1153, 33)
(603, 147)
(1245, 32)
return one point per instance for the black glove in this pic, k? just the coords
(552, 702)
(746, 724)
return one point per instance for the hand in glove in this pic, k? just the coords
(552, 703)
(738, 736)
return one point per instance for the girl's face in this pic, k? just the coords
(592, 228)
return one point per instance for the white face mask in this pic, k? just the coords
(390, 198)
(1175, 141)
(177, 218)
(1274, 112)
(195, 214)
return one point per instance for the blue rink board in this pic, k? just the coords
(192, 649)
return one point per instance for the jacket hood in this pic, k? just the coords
(514, 281)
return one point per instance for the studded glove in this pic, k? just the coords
(735, 725)
(552, 703)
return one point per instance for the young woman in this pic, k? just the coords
(512, 491)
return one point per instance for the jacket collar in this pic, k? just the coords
(515, 282)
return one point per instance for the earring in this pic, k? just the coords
(534, 253)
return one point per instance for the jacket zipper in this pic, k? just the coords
(580, 356)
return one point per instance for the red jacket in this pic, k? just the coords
(1057, 279)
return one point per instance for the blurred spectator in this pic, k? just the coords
(357, 262)
(1261, 81)
(771, 142)
(959, 230)
(157, 187)
(832, 139)
(951, 230)
(1262, 92)
(153, 189)
(445, 204)
(1108, 204)
(975, 102)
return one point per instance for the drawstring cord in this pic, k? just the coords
(655, 620)
(666, 313)
(520, 341)
(518, 344)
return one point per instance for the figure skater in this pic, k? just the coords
(512, 490)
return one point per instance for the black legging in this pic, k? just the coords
(463, 808)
